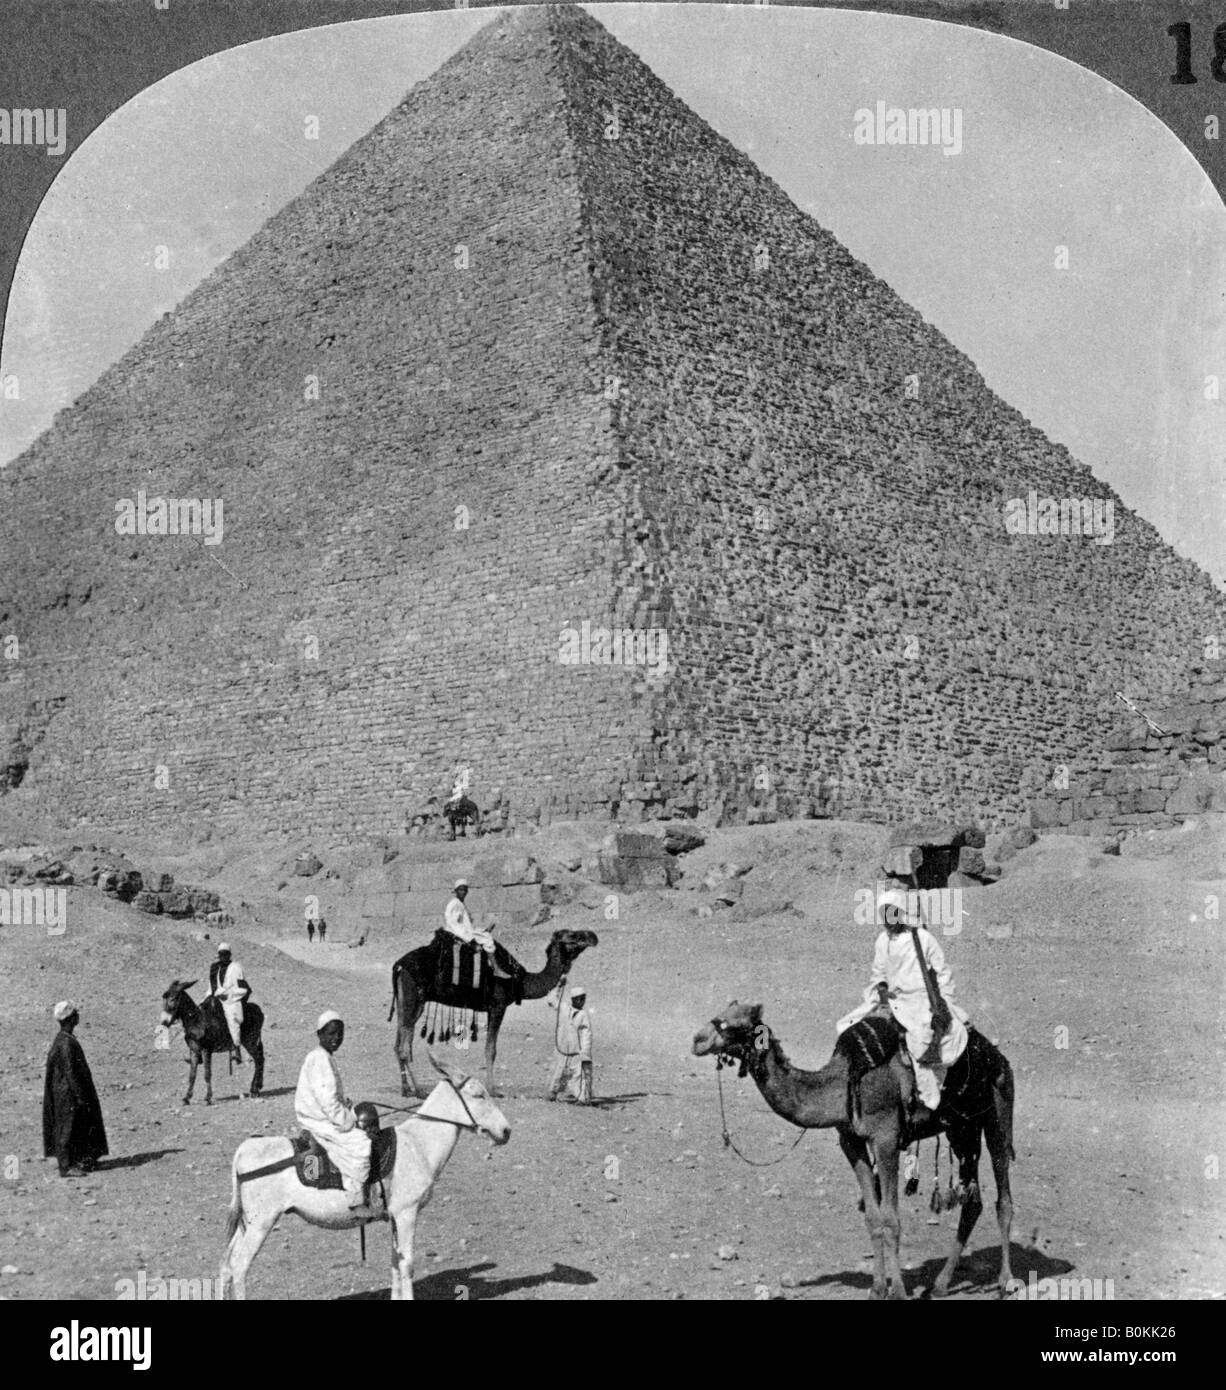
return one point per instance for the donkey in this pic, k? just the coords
(205, 1032)
(424, 1143)
(462, 812)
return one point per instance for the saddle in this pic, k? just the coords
(878, 1040)
(464, 977)
(315, 1169)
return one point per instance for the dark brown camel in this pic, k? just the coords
(821, 1100)
(205, 1032)
(413, 977)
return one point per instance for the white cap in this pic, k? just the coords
(460, 883)
(894, 897)
(222, 947)
(328, 1016)
(63, 1009)
(578, 992)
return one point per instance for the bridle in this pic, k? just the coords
(739, 1052)
(442, 1119)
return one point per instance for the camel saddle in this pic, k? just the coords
(464, 977)
(878, 1040)
(315, 1169)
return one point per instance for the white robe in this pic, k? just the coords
(896, 965)
(321, 1107)
(573, 1047)
(232, 997)
(459, 923)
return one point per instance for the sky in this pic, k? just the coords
(1109, 356)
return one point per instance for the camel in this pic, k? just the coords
(413, 975)
(823, 1100)
(205, 1032)
(260, 1199)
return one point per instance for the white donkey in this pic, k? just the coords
(424, 1143)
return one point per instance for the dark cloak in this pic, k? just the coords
(72, 1117)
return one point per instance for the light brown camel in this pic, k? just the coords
(823, 1100)
(413, 978)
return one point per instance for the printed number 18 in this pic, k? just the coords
(1182, 34)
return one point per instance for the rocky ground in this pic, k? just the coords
(1099, 975)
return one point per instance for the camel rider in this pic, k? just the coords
(898, 980)
(227, 986)
(457, 921)
(321, 1108)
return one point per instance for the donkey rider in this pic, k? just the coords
(323, 1110)
(227, 986)
(934, 1042)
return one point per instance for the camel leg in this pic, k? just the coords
(208, 1077)
(966, 1145)
(886, 1148)
(856, 1152)
(404, 1046)
(493, 1022)
(402, 1277)
(242, 1250)
(1000, 1149)
(193, 1063)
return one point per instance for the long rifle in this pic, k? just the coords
(941, 1016)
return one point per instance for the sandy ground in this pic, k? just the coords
(1119, 1119)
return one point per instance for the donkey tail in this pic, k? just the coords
(235, 1220)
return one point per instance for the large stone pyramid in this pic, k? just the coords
(544, 349)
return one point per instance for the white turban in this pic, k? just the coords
(578, 993)
(222, 947)
(460, 883)
(63, 1009)
(894, 897)
(328, 1016)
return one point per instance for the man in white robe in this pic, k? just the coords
(227, 986)
(321, 1108)
(572, 1063)
(896, 975)
(457, 921)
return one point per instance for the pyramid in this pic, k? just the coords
(544, 350)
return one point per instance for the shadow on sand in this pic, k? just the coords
(469, 1282)
(976, 1272)
(105, 1165)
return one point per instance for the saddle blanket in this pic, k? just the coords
(967, 1089)
(464, 977)
(315, 1169)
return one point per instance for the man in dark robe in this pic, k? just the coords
(72, 1117)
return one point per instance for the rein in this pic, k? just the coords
(721, 1061)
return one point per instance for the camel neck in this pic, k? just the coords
(538, 986)
(811, 1099)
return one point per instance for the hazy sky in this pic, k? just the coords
(1109, 356)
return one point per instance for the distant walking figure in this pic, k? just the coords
(322, 927)
(310, 929)
(72, 1117)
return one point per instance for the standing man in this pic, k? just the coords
(572, 1064)
(72, 1117)
(227, 986)
(321, 927)
(310, 929)
(321, 1108)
